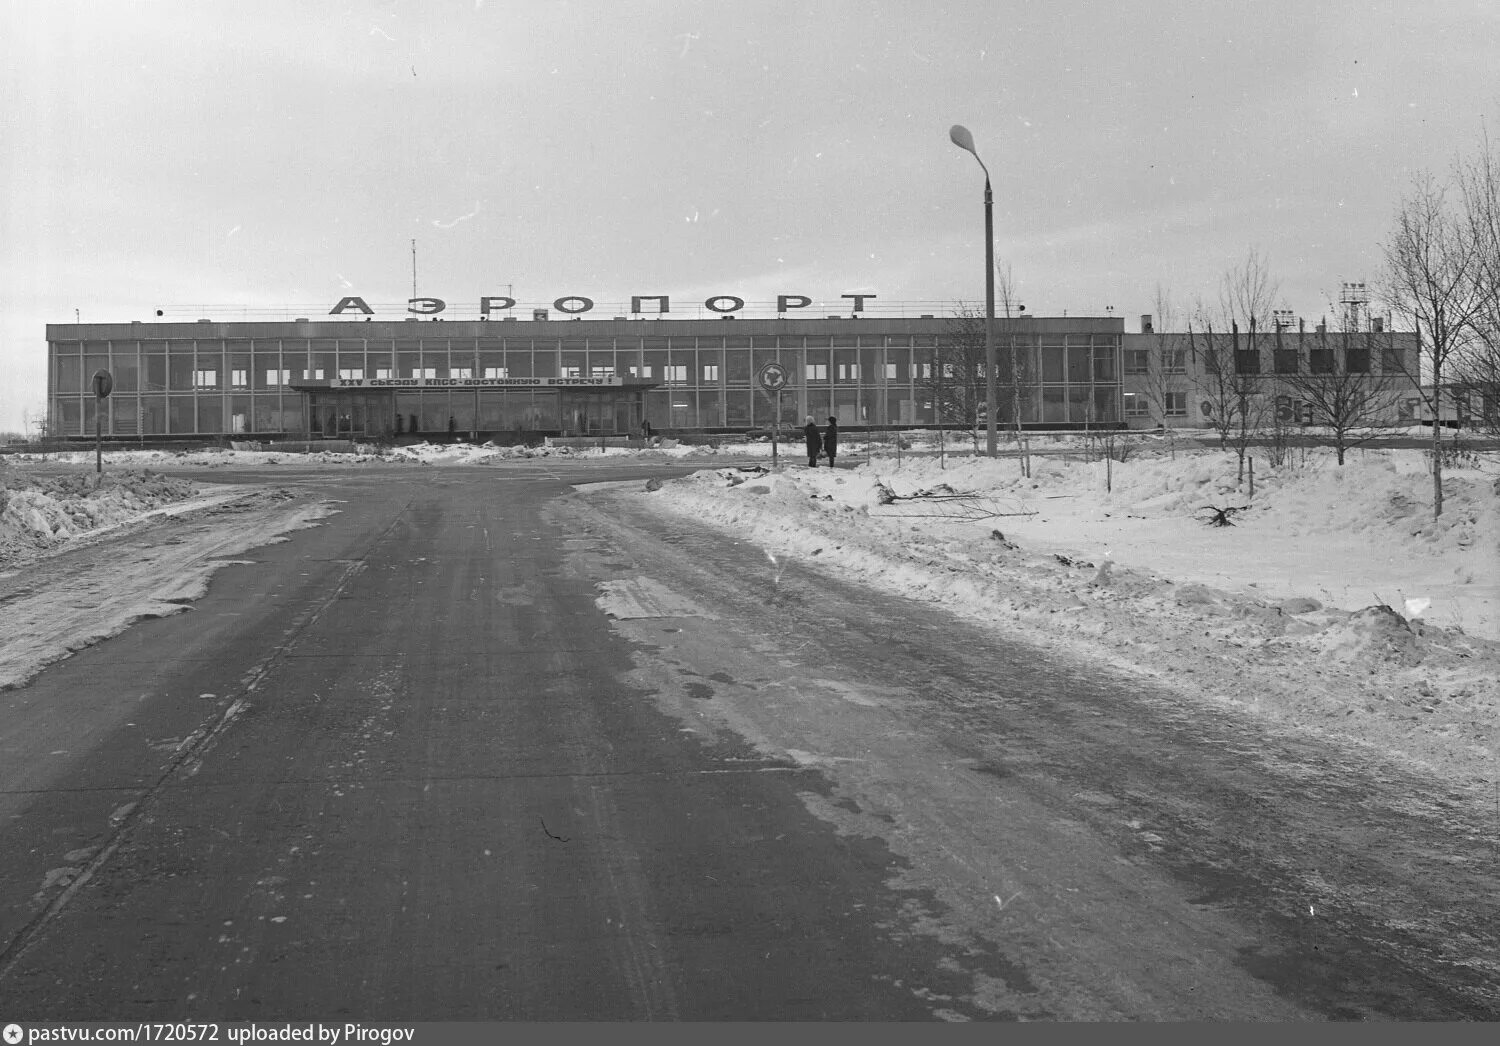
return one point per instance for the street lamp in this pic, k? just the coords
(965, 141)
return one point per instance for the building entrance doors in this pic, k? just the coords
(349, 416)
(592, 414)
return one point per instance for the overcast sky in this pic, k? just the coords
(208, 158)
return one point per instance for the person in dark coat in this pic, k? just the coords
(831, 440)
(814, 442)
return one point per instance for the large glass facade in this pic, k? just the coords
(237, 380)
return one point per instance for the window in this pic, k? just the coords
(1320, 361)
(924, 370)
(1357, 360)
(1137, 361)
(1053, 360)
(1247, 361)
(1285, 361)
(278, 377)
(675, 372)
(1391, 361)
(1054, 404)
(571, 372)
(240, 379)
(1174, 361)
(382, 372)
(496, 372)
(599, 370)
(460, 372)
(639, 372)
(1078, 365)
(205, 379)
(891, 372)
(1104, 363)
(710, 372)
(817, 372)
(1176, 404)
(1136, 405)
(848, 372)
(351, 373)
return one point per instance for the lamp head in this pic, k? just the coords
(963, 139)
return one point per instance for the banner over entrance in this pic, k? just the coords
(613, 381)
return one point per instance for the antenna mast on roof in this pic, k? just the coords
(1355, 299)
(413, 268)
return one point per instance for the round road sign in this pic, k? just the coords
(103, 383)
(773, 377)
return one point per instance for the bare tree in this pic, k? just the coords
(1007, 291)
(1282, 414)
(1247, 293)
(1212, 374)
(1165, 383)
(1227, 363)
(35, 423)
(957, 383)
(1342, 389)
(1433, 280)
(1013, 368)
(1476, 363)
(1227, 377)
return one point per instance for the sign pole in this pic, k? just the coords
(103, 384)
(776, 431)
(773, 377)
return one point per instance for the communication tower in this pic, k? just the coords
(1355, 299)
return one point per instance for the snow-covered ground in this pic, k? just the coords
(1103, 560)
(179, 535)
(1278, 614)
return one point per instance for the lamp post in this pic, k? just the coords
(965, 141)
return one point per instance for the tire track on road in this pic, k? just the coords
(189, 754)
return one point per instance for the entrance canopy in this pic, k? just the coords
(379, 408)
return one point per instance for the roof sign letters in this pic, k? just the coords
(576, 304)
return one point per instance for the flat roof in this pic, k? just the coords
(554, 328)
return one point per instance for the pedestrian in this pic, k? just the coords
(452, 429)
(814, 442)
(831, 440)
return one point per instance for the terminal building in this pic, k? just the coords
(515, 380)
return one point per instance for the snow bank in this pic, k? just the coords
(1334, 602)
(38, 512)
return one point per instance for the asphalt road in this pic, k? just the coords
(404, 767)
